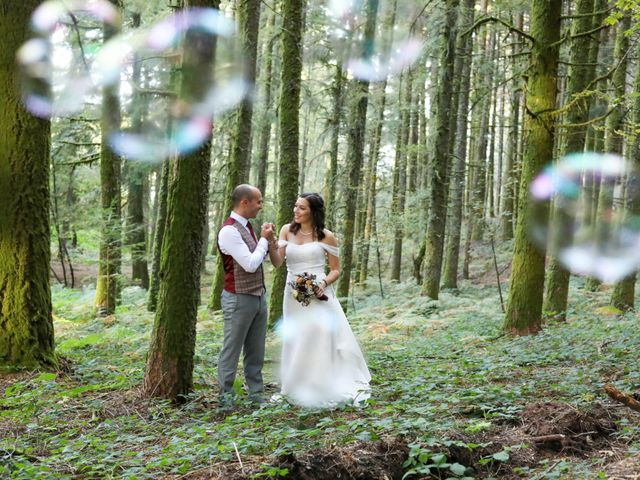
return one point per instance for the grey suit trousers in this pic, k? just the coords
(245, 328)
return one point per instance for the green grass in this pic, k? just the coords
(438, 368)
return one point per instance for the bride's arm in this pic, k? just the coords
(334, 262)
(277, 253)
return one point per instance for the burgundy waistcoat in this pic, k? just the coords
(237, 279)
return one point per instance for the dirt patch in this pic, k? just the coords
(624, 469)
(562, 428)
(550, 431)
(361, 461)
(379, 460)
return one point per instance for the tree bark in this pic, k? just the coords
(169, 369)
(439, 171)
(400, 175)
(580, 75)
(26, 325)
(337, 96)
(527, 278)
(623, 295)
(464, 60)
(355, 150)
(109, 283)
(289, 132)
(136, 228)
(239, 162)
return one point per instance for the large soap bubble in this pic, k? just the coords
(55, 63)
(174, 78)
(397, 41)
(594, 230)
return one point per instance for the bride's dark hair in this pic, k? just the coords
(316, 204)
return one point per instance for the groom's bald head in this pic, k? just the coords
(242, 192)
(247, 200)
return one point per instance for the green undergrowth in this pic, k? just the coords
(439, 368)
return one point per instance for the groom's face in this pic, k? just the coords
(254, 205)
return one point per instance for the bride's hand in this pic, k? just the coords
(320, 289)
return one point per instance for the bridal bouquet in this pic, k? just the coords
(304, 287)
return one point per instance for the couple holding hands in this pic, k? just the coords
(321, 363)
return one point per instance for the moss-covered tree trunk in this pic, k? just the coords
(370, 182)
(136, 228)
(26, 326)
(108, 282)
(158, 236)
(289, 134)
(463, 66)
(239, 162)
(267, 110)
(580, 75)
(622, 296)
(371, 179)
(441, 155)
(400, 174)
(524, 309)
(414, 138)
(169, 369)
(600, 55)
(331, 180)
(507, 203)
(355, 152)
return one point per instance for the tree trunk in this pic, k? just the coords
(371, 180)
(580, 75)
(136, 228)
(289, 134)
(463, 65)
(355, 150)
(622, 296)
(108, 283)
(400, 175)
(265, 130)
(26, 325)
(239, 163)
(337, 100)
(169, 369)
(158, 236)
(507, 207)
(524, 309)
(441, 157)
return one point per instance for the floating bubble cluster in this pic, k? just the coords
(55, 63)
(172, 78)
(595, 228)
(396, 43)
(188, 70)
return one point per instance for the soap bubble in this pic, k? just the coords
(594, 230)
(174, 78)
(397, 42)
(55, 63)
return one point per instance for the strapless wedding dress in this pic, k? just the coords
(322, 364)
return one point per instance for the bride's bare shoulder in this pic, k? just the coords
(330, 238)
(284, 232)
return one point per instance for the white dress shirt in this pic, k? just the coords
(231, 243)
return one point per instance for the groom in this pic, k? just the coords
(243, 299)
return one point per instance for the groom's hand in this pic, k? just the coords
(266, 231)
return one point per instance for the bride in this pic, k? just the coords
(322, 364)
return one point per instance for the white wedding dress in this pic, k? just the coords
(322, 364)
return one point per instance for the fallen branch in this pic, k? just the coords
(623, 398)
(548, 438)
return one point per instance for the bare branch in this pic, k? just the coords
(512, 28)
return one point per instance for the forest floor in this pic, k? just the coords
(453, 397)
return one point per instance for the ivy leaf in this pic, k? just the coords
(502, 456)
(457, 469)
